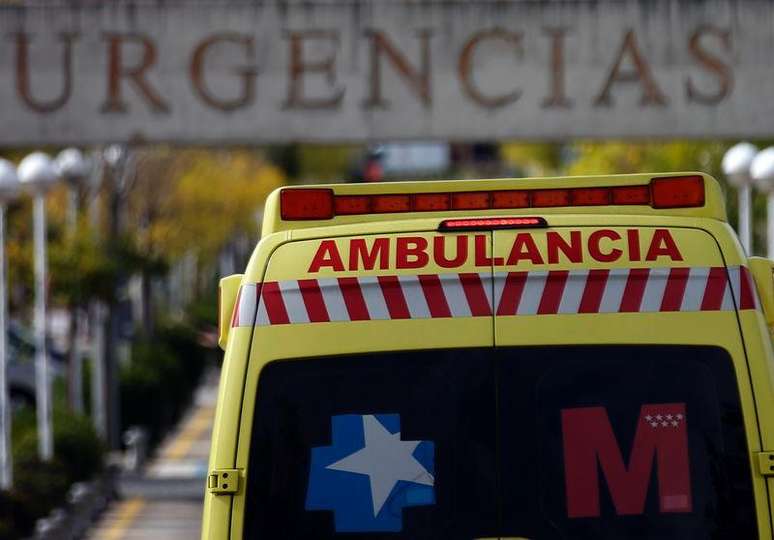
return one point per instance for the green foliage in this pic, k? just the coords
(39, 487)
(180, 202)
(203, 312)
(77, 445)
(158, 382)
(704, 156)
(197, 200)
(617, 157)
(150, 388)
(326, 163)
(533, 159)
(81, 269)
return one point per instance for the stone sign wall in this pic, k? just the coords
(239, 72)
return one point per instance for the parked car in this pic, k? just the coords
(21, 365)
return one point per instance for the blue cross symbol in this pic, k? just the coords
(368, 475)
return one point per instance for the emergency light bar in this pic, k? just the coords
(322, 203)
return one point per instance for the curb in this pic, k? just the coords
(85, 502)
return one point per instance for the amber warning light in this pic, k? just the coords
(660, 193)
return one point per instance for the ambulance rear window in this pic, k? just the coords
(592, 442)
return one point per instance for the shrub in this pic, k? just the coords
(144, 398)
(158, 382)
(38, 486)
(77, 446)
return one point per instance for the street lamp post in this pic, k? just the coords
(37, 171)
(96, 311)
(762, 172)
(73, 169)
(119, 161)
(9, 187)
(736, 167)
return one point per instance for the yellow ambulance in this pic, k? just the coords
(547, 358)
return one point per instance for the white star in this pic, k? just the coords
(665, 424)
(658, 417)
(654, 424)
(675, 423)
(669, 417)
(679, 416)
(386, 460)
(649, 418)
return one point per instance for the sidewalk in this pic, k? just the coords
(166, 502)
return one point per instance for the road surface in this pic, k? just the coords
(165, 503)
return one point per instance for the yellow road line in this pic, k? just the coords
(196, 426)
(125, 516)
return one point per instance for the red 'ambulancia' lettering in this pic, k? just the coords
(524, 248)
(411, 252)
(662, 244)
(572, 250)
(589, 443)
(482, 259)
(327, 255)
(439, 252)
(358, 251)
(633, 235)
(595, 249)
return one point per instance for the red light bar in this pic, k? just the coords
(542, 198)
(660, 193)
(299, 204)
(387, 204)
(591, 196)
(510, 199)
(345, 205)
(631, 195)
(473, 200)
(477, 224)
(677, 192)
(432, 202)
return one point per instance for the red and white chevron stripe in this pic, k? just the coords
(620, 290)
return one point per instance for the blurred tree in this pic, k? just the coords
(617, 157)
(327, 163)
(83, 268)
(192, 203)
(198, 200)
(704, 156)
(533, 159)
(629, 157)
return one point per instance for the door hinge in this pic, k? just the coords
(223, 481)
(766, 463)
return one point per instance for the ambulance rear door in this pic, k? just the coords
(361, 335)
(625, 407)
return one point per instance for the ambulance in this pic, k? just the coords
(547, 358)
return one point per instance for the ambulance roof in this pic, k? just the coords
(681, 194)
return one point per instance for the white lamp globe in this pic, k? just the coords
(737, 161)
(9, 180)
(71, 164)
(113, 154)
(37, 171)
(762, 170)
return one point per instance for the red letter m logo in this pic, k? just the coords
(589, 443)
